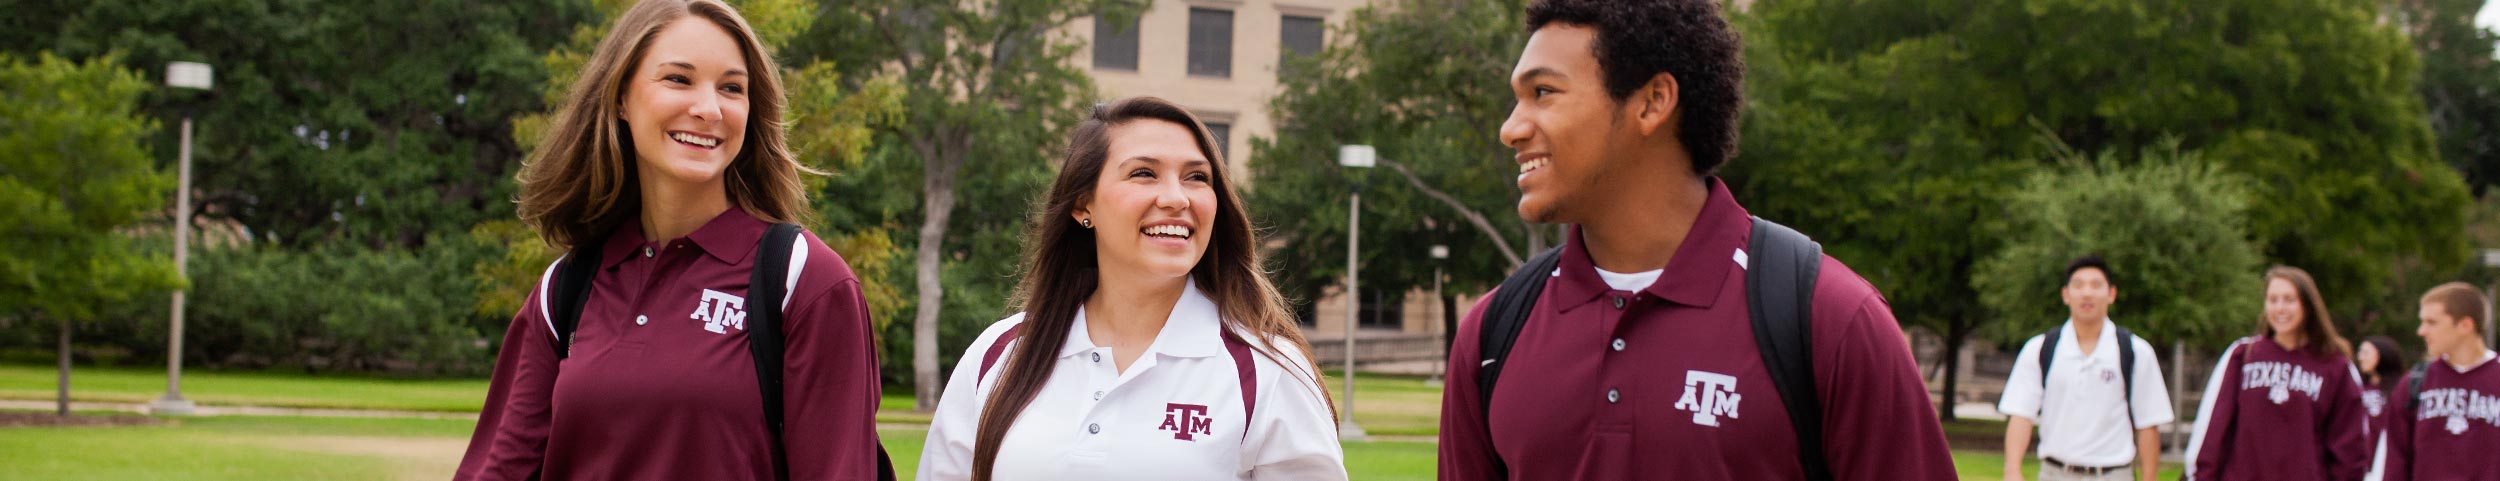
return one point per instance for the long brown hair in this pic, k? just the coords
(581, 182)
(2316, 329)
(1060, 271)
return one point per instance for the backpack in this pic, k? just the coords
(571, 290)
(1779, 293)
(1240, 351)
(2126, 363)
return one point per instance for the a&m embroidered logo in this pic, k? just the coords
(1709, 395)
(720, 311)
(1185, 421)
(2279, 380)
(2459, 406)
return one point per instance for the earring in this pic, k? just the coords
(1088, 223)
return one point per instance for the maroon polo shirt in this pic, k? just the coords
(1666, 383)
(652, 392)
(2452, 432)
(2285, 415)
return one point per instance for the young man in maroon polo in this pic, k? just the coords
(2452, 429)
(1638, 360)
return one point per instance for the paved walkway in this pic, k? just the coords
(219, 410)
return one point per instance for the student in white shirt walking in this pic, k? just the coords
(2095, 418)
(1165, 353)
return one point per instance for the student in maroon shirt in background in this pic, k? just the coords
(2451, 430)
(666, 165)
(2381, 362)
(1637, 359)
(2286, 404)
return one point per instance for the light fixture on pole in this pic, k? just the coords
(190, 75)
(1359, 157)
(1440, 256)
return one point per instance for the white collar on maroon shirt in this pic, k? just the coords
(1189, 332)
(2487, 356)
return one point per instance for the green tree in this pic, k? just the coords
(1892, 129)
(2176, 222)
(75, 174)
(2460, 83)
(1444, 175)
(377, 123)
(993, 88)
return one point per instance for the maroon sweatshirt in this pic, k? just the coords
(660, 385)
(2285, 416)
(2452, 432)
(1666, 382)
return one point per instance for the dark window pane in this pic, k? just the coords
(1115, 44)
(1223, 136)
(1210, 42)
(1303, 35)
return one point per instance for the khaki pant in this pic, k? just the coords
(2053, 474)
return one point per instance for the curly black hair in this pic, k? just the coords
(1689, 39)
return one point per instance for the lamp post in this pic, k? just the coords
(1358, 157)
(1440, 256)
(190, 75)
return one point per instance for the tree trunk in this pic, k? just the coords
(62, 407)
(937, 206)
(1957, 333)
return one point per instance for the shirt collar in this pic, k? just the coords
(2108, 337)
(2488, 355)
(1189, 332)
(1694, 277)
(729, 237)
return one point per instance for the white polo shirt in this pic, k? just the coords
(1092, 422)
(2086, 409)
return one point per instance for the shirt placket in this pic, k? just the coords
(1616, 396)
(1102, 380)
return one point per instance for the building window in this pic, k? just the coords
(1303, 35)
(1115, 44)
(1210, 42)
(1382, 309)
(1223, 136)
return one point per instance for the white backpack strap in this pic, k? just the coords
(545, 314)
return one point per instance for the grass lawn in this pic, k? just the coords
(240, 448)
(218, 448)
(20, 381)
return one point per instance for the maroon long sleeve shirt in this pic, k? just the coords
(2286, 416)
(2451, 433)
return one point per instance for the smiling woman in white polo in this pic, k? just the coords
(1158, 348)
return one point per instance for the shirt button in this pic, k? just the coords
(1613, 395)
(1098, 395)
(1618, 345)
(646, 253)
(1618, 302)
(1097, 357)
(640, 320)
(1093, 429)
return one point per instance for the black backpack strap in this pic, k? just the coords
(2126, 370)
(1779, 289)
(2048, 353)
(1249, 374)
(765, 290)
(1506, 314)
(2413, 386)
(570, 290)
